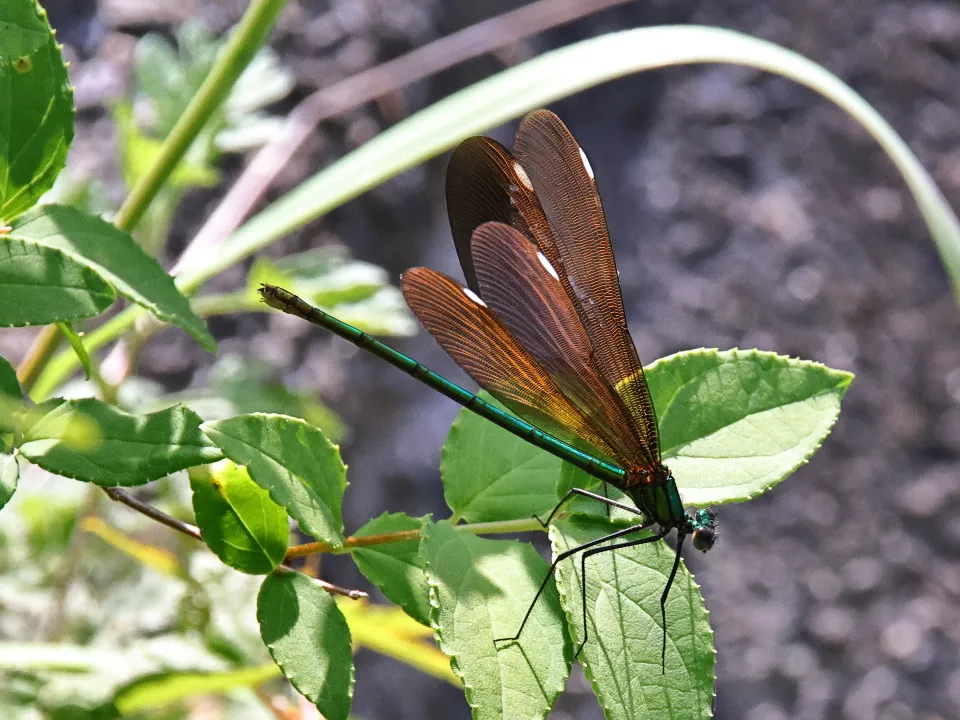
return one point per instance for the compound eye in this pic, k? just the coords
(704, 538)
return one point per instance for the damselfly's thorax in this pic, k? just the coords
(639, 476)
(655, 492)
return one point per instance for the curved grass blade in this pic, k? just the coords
(522, 88)
(558, 74)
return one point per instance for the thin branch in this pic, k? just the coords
(330, 587)
(44, 345)
(336, 99)
(485, 528)
(122, 496)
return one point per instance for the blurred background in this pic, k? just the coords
(745, 211)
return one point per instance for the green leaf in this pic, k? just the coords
(11, 395)
(115, 256)
(36, 107)
(491, 474)
(395, 567)
(308, 638)
(733, 424)
(9, 385)
(294, 462)
(41, 285)
(479, 591)
(77, 344)
(9, 475)
(89, 440)
(163, 689)
(622, 653)
(238, 520)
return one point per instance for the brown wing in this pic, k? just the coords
(487, 352)
(564, 183)
(523, 290)
(485, 183)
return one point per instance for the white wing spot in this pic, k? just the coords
(473, 296)
(586, 163)
(522, 175)
(547, 266)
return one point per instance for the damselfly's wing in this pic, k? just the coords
(485, 183)
(561, 175)
(524, 291)
(481, 344)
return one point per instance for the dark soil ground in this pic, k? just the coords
(745, 211)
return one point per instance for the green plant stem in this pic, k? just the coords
(225, 303)
(122, 496)
(42, 349)
(351, 543)
(247, 38)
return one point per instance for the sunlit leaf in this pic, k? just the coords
(237, 518)
(309, 639)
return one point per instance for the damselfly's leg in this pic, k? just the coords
(563, 556)
(663, 603)
(597, 551)
(593, 496)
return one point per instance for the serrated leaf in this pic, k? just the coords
(115, 256)
(163, 689)
(238, 520)
(36, 107)
(41, 285)
(308, 638)
(733, 424)
(9, 475)
(491, 474)
(294, 462)
(395, 568)
(622, 654)
(480, 590)
(89, 440)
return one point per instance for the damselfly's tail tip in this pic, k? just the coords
(268, 295)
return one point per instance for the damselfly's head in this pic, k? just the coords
(704, 529)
